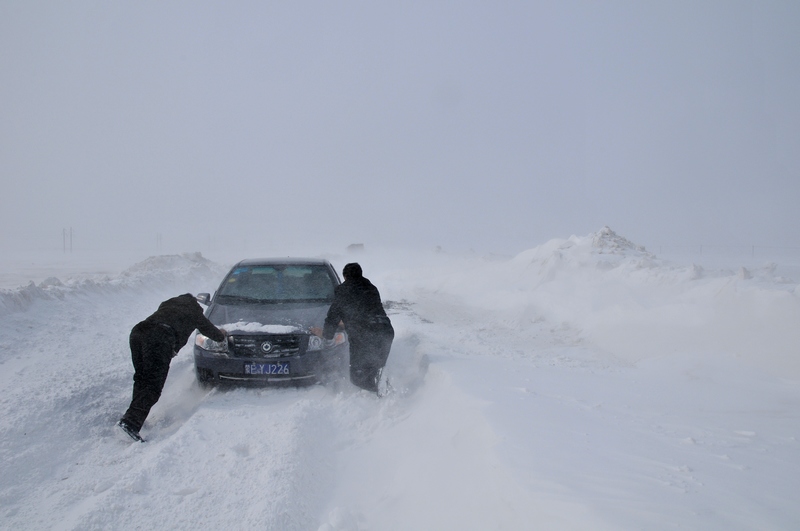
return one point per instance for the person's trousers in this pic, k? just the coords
(369, 350)
(151, 353)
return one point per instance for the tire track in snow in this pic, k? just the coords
(246, 459)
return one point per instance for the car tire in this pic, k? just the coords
(204, 378)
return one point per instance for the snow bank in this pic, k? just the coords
(184, 270)
(608, 292)
(170, 268)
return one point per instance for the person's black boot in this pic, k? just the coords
(129, 431)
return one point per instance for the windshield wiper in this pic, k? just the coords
(252, 300)
(240, 298)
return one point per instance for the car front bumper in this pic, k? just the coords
(308, 367)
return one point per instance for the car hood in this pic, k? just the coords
(270, 318)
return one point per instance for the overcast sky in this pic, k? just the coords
(492, 126)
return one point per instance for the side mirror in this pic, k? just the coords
(203, 298)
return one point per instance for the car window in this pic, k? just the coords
(278, 283)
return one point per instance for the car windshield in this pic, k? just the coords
(278, 283)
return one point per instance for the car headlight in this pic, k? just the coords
(205, 343)
(317, 343)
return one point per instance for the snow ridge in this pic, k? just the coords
(187, 269)
(608, 241)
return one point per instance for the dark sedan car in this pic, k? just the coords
(268, 308)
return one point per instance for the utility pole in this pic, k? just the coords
(67, 236)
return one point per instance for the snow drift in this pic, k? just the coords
(156, 272)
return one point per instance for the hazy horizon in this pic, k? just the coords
(196, 126)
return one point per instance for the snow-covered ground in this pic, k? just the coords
(583, 384)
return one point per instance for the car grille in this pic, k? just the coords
(256, 346)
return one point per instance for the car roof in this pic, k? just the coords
(282, 261)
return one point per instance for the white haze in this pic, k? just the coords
(238, 128)
(583, 384)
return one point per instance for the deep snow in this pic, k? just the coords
(583, 384)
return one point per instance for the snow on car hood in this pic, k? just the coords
(258, 327)
(269, 318)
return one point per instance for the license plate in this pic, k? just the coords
(266, 368)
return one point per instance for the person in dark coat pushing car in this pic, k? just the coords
(357, 303)
(154, 342)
